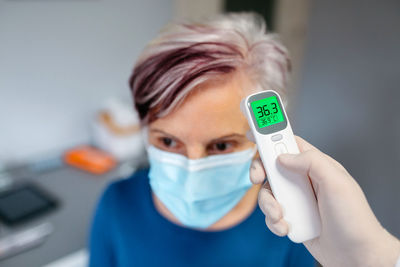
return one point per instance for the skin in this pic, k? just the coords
(208, 122)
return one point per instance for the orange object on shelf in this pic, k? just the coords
(90, 159)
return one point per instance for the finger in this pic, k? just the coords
(300, 163)
(250, 136)
(312, 163)
(268, 205)
(257, 172)
(304, 145)
(280, 228)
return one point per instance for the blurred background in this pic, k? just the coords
(67, 127)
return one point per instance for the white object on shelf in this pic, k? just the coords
(117, 131)
(76, 259)
(25, 239)
(121, 113)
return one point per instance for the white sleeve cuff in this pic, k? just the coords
(398, 262)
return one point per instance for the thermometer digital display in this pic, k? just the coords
(267, 111)
(273, 135)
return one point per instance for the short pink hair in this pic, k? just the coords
(186, 55)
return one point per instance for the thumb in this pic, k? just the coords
(312, 163)
(294, 162)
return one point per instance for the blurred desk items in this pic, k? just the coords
(23, 240)
(117, 150)
(79, 258)
(116, 129)
(66, 229)
(90, 159)
(23, 202)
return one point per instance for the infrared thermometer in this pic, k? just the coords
(274, 136)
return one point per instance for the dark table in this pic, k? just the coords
(78, 193)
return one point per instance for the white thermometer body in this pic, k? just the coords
(273, 134)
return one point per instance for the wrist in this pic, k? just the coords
(385, 251)
(396, 250)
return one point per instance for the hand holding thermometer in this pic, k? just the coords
(274, 136)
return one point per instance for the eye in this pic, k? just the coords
(220, 148)
(168, 142)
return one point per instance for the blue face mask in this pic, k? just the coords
(199, 192)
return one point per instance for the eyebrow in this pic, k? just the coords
(211, 141)
(161, 131)
(227, 137)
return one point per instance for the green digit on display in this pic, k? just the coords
(260, 111)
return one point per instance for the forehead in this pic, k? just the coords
(211, 111)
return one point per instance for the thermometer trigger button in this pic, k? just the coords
(276, 137)
(280, 148)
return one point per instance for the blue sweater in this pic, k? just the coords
(128, 231)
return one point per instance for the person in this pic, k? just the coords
(351, 235)
(196, 206)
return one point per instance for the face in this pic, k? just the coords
(209, 122)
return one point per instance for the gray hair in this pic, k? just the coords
(187, 54)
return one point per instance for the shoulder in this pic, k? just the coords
(139, 178)
(124, 190)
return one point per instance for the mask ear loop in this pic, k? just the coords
(144, 131)
(255, 153)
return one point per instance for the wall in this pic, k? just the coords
(195, 9)
(60, 60)
(349, 96)
(291, 24)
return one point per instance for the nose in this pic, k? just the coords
(195, 152)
